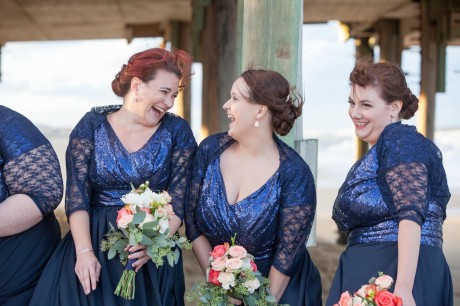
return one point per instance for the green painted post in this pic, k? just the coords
(272, 32)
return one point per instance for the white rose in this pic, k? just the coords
(226, 279)
(124, 221)
(384, 282)
(252, 284)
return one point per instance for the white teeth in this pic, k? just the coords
(361, 123)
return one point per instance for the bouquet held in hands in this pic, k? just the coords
(144, 219)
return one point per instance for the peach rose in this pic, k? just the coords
(218, 251)
(218, 264)
(384, 282)
(237, 251)
(384, 298)
(124, 221)
(123, 212)
(345, 299)
(233, 264)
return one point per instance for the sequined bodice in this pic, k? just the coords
(372, 200)
(101, 169)
(273, 222)
(254, 218)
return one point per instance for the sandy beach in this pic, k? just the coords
(326, 252)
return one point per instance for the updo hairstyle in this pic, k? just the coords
(390, 81)
(271, 89)
(145, 65)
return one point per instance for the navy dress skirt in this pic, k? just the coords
(29, 166)
(272, 224)
(400, 178)
(100, 171)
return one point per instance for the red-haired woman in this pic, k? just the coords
(110, 148)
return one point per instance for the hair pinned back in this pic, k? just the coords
(390, 81)
(145, 65)
(270, 88)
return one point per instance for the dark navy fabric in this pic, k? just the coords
(28, 165)
(99, 171)
(273, 223)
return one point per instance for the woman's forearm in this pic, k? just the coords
(201, 249)
(19, 213)
(79, 226)
(278, 283)
(408, 251)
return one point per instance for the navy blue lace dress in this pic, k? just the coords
(99, 172)
(28, 165)
(400, 178)
(273, 223)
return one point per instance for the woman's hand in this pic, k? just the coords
(138, 252)
(88, 270)
(406, 296)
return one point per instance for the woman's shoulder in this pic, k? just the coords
(398, 135)
(216, 142)
(93, 119)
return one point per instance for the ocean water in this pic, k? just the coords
(336, 154)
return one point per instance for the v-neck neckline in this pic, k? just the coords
(111, 130)
(224, 188)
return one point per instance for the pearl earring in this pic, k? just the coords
(257, 124)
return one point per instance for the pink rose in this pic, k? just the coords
(218, 251)
(124, 221)
(385, 298)
(213, 277)
(345, 299)
(253, 266)
(237, 251)
(123, 212)
(233, 264)
(147, 210)
(384, 282)
(218, 264)
(397, 300)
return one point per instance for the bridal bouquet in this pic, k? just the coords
(232, 273)
(373, 294)
(144, 219)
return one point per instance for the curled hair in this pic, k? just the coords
(271, 89)
(145, 65)
(390, 81)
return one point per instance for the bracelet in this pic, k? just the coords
(83, 251)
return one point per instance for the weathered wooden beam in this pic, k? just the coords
(390, 40)
(271, 39)
(363, 50)
(427, 105)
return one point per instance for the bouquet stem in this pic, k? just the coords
(127, 285)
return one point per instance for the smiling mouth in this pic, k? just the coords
(231, 118)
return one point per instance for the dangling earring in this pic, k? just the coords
(257, 124)
(393, 120)
(135, 99)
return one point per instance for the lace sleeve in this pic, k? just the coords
(193, 192)
(78, 191)
(298, 205)
(408, 187)
(37, 174)
(180, 168)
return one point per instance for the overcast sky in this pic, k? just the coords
(56, 83)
